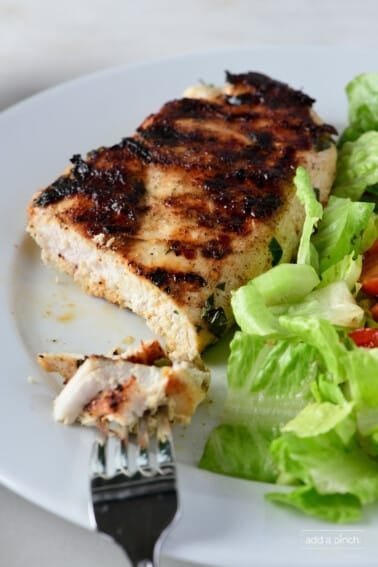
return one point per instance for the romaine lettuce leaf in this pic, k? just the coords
(317, 418)
(363, 380)
(325, 463)
(259, 305)
(357, 169)
(282, 285)
(339, 508)
(307, 253)
(341, 230)
(323, 336)
(326, 390)
(286, 284)
(318, 449)
(333, 303)
(251, 312)
(362, 93)
(286, 419)
(240, 450)
(347, 270)
(269, 383)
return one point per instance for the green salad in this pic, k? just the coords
(302, 402)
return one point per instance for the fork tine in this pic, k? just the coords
(122, 461)
(144, 456)
(165, 454)
(98, 459)
(134, 493)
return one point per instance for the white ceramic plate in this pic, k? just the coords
(224, 521)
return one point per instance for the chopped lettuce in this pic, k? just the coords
(318, 418)
(240, 450)
(307, 253)
(325, 463)
(357, 169)
(261, 374)
(347, 270)
(362, 93)
(295, 409)
(333, 303)
(269, 383)
(251, 312)
(341, 230)
(286, 283)
(323, 336)
(324, 466)
(325, 389)
(363, 381)
(286, 290)
(281, 286)
(336, 507)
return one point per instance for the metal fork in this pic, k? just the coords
(133, 488)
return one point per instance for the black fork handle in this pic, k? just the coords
(122, 521)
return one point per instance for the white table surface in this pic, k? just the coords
(44, 42)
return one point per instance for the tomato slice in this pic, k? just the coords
(366, 337)
(374, 311)
(369, 275)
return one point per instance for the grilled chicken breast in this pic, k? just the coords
(190, 207)
(115, 391)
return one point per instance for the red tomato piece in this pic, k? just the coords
(374, 311)
(366, 337)
(369, 275)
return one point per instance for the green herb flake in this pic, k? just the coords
(221, 286)
(214, 317)
(275, 250)
(209, 303)
(161, 362)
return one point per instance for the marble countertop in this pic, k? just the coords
(44, 42)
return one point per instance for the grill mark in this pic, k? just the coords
(274, 92)
(165, 134)
(113, 194)
(217, 248)
(181, 248)
(263, 140)
(233, 210)
(239, 166)
(61, 188)
(191, 108)
(114, 208)
(172, 282)
(136, 148)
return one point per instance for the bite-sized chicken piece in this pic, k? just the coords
(198, 201)
(116, 390)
